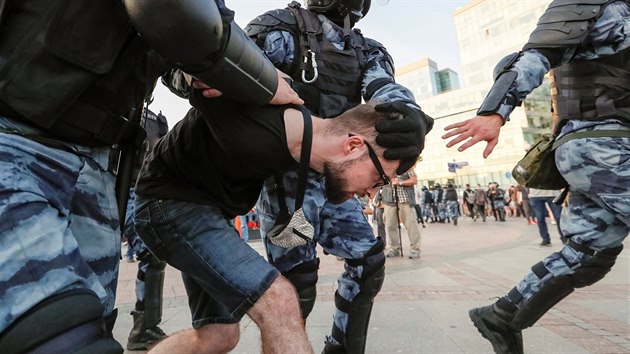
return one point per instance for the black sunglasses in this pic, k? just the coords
(379, 168)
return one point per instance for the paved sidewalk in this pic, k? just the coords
(423, 305)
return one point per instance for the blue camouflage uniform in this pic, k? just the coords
(72, 75)
(64, 200)
(341, 229)
(596, 219)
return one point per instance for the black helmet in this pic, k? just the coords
(449, 185)
(338, 9)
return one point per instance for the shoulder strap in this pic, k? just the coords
(305, 156)
(591, 134)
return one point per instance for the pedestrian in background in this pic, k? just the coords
(481, 200)
(404, 211)
(468, 197)
(541, 199)
(452, 204)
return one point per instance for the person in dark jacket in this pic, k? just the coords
(74, 77)
(452, 205)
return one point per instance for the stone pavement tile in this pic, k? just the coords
(539, 340)
(600, 345)
(568, 331)
(604, 309)
(616, 327)
(425, 277)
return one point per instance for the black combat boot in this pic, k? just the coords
(493, 323)
(330, 348)
(141, 338)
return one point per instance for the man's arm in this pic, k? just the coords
(515, 77)
(557, 40)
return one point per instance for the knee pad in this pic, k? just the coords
(372, 262)
(153, 291)
(597, 267)
(560, 287)
(70, 322)
(304, 279)
(354, 337)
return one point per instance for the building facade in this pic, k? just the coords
(486, 30)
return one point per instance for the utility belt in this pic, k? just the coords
(84, 124)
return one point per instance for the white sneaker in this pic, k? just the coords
(393, 253)
(413, 254)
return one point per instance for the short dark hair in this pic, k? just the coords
(360, 120)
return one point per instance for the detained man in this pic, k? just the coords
(209, 168)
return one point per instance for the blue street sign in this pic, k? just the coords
(453, 166)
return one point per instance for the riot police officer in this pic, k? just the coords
(587, 45)
(334, 66)
(73, 77)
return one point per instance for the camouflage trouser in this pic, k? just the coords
(441, 207)
(58, 222)
(341, 229)
(452, 208)
(598, 170)
(427, 210)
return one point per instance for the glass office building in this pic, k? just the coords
(486, 30)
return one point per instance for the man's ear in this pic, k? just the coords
(353, 143)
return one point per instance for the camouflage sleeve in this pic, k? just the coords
(379, 84)
(531, 68)
(606, 36)
(279, 47)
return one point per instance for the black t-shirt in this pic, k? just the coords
(220, 153)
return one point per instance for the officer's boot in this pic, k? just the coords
(493, 322)
(140, 337)
(331, 348)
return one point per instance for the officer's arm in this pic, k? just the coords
(403, 138)
(279, 47)
(202, 39)
(515, 76)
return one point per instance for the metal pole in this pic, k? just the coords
(398, 219)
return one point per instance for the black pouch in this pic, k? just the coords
(537, 169)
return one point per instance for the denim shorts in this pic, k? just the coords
(222, 274)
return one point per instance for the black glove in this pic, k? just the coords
(402, 138)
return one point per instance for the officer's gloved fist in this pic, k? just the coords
(402, 138)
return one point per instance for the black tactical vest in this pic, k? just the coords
(592, 89)
(74, 68)
(340, 72)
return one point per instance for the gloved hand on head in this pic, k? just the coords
(403, 135)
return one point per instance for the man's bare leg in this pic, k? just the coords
(277, 314)
(210, 339)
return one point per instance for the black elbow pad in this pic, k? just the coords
(503, 80)
(242, 71)
(192, 34)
